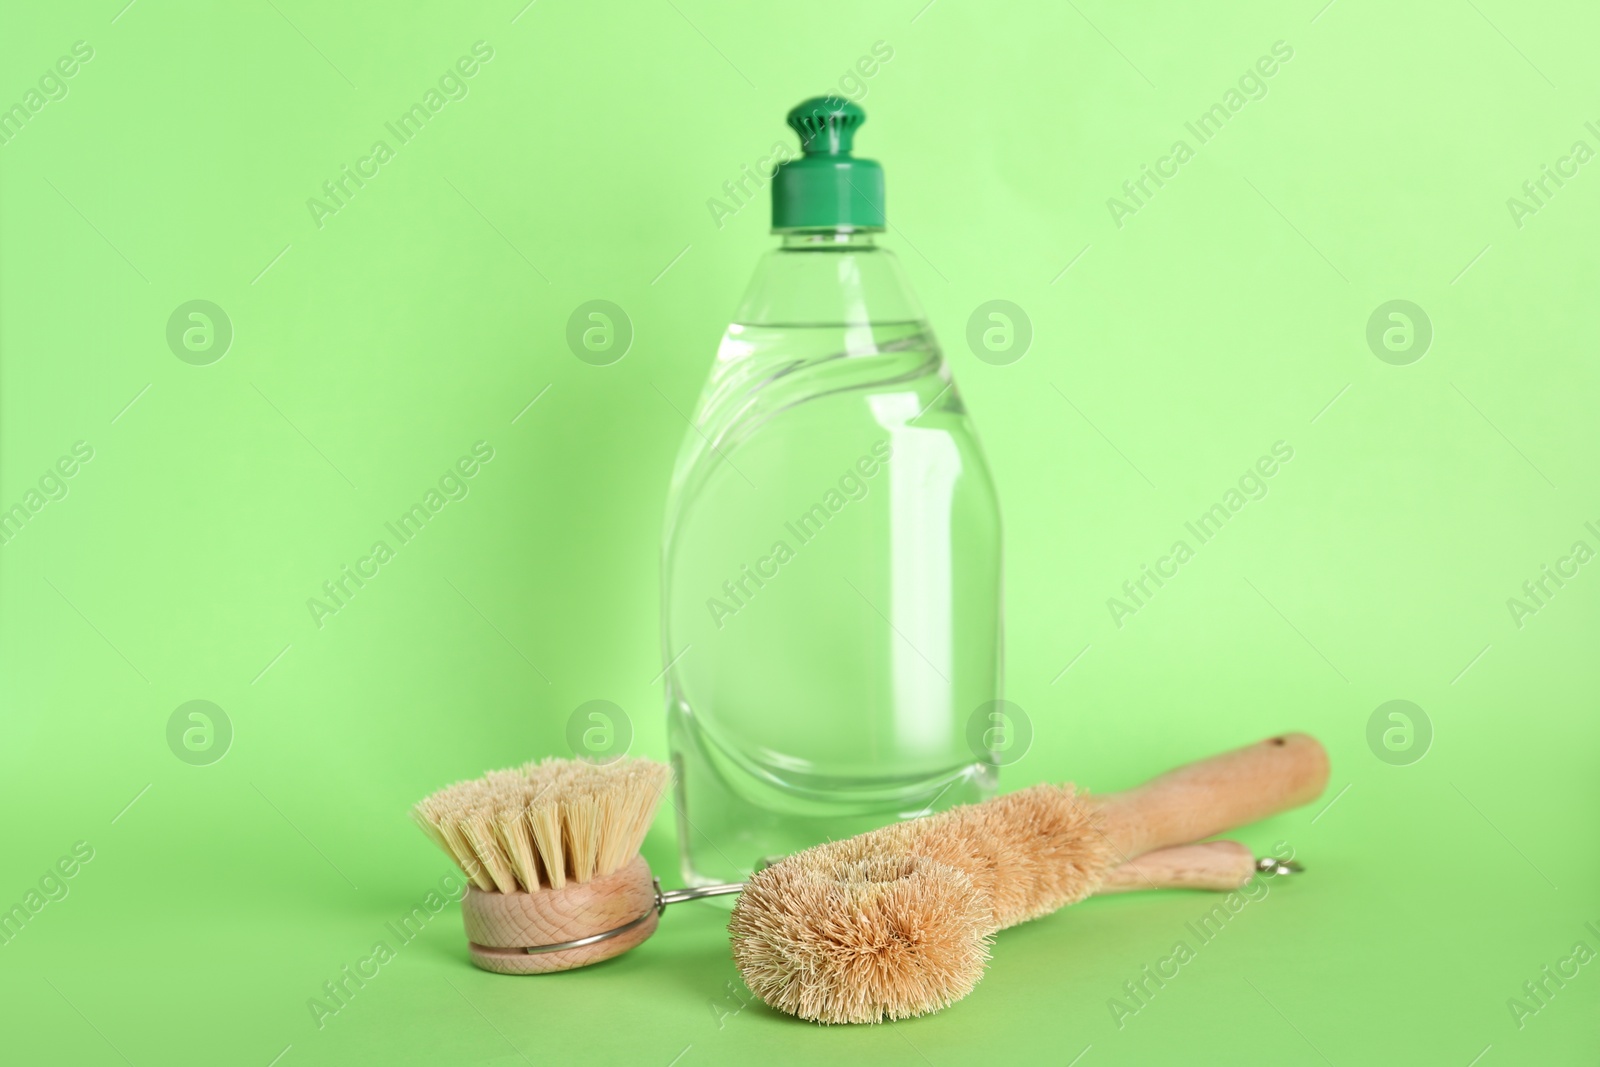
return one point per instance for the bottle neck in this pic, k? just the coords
(830, 241)
(829, 276)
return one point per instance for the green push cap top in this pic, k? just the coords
(827, 188)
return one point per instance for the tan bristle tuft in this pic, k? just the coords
(543, 824)
(835, 936)
(544, 821)
(1030, 852)
(583, 836)
(477, 828)
(511, 830)
(895, 923)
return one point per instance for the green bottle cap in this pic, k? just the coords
(827, 188)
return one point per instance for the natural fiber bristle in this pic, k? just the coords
(1031, 852)
(841, 938)
(896, 922)
(543, 824)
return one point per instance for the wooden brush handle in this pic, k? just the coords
(1221, 866)
(1213, 795)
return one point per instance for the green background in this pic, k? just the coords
(1228, 313)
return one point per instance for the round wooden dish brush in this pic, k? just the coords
(898, 922)
(552, 852)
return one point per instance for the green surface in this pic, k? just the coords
(1174, 340)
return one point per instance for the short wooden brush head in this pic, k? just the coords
(896, 922)
(552, 851)
(501, 926)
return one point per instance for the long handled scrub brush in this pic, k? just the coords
(551, 850)
(897, 922)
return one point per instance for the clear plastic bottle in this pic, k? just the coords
(831, 555)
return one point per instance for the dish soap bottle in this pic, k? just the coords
(831, 555)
